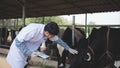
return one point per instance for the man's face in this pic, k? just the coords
(48, 35)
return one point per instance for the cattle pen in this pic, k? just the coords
(13, 10)
(54, 63)
(86, 28)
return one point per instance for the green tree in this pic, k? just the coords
(45, 20)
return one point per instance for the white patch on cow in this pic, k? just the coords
(60, 49)
(117, 64)
(61, 65)
(89, 57)
(43, 46)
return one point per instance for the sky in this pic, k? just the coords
(106, 18)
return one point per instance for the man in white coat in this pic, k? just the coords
(28, 41)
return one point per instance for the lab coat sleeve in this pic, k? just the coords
(26, 34)
(23, 47)
(60, 42)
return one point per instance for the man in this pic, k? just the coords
(28, 40)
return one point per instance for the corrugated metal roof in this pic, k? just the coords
(39, 8)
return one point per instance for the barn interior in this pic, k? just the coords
(14, 9)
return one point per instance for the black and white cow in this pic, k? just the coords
(83, 58)
(103, 49)
(3, 35)
(106, 46)
(66, 36)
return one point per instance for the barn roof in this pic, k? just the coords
(40, 8)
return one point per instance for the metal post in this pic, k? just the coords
(86, 24)
(23, 13)
(17, 24)
(73, 32)
(22, 4)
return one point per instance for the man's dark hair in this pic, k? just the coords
(52, 28)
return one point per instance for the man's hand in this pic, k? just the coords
(73, 51)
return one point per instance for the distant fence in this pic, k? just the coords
(87, 29)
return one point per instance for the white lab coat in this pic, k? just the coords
(32, 36)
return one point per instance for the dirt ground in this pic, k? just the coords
(34, 62)
(3, 63)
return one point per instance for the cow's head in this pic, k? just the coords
(102, 43)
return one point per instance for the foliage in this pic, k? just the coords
(45, 20)
(17, 23)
